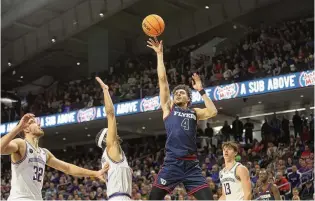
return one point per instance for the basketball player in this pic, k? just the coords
(29, 160)
(180, 164)
(267, 191)
(119, 179)
(236, 184)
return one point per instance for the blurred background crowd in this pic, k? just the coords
(264, 51)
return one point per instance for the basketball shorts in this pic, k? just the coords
(175, 172)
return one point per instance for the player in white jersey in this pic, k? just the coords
(235, 179)
(119, 176)
(29, 160)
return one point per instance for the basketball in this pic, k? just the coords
(153, 25)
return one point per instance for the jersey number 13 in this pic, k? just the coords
(227, 188)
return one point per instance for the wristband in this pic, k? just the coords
(202, 92)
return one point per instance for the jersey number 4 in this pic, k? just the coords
(38, 172)
(227, 188)
(185, 124)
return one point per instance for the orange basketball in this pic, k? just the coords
(153, 25)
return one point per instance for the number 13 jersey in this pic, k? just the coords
(28, 175)
(231, 184)
(181, 128)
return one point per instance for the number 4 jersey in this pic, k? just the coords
(28, 175)
(181, 129)
(231, 185)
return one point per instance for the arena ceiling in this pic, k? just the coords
(27, 31)
(151, 124)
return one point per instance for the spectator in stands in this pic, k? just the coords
(237, 129)
(226, 131)
(308, 191)
(297, 123)
(249, 127)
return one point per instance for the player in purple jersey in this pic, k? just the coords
(180, 164)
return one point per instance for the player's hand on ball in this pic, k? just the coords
(100, 81)
(102, 172)
(25, 121)
(155, 45)
(197, 85)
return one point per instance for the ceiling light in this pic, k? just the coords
(78, 63)
(9, 64)
(206, 7)
(21, 76)
(301, 96)
(53, 40)
(64, 138)
(88, 135)
(101, 14)
(143, 127)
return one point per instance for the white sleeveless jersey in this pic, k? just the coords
(119, 177)
(231, 185)
(28, 175)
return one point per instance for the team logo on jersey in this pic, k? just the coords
(163, 181)
(226, 91)
(31, 151)
(86, 114)
(150, 104)
(307, 78)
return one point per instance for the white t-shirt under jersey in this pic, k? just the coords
(119, 177)
(28, 175)
(232, 186)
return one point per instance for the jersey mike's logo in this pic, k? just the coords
(149, 104)
(226, 92)
(86, 114)
(307, 78)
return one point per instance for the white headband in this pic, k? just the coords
(100, 140)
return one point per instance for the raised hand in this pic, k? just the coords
(155, 45)
(100, 81)
(24, 122)
(197, 85)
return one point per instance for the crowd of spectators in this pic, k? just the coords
(289, 162)
(264, 51)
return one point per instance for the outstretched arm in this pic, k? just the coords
(10, 145)
(74, 170)
(163, 84)
(210, 110)
(112, 141)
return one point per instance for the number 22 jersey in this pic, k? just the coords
(28, 175)
(231, 185)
